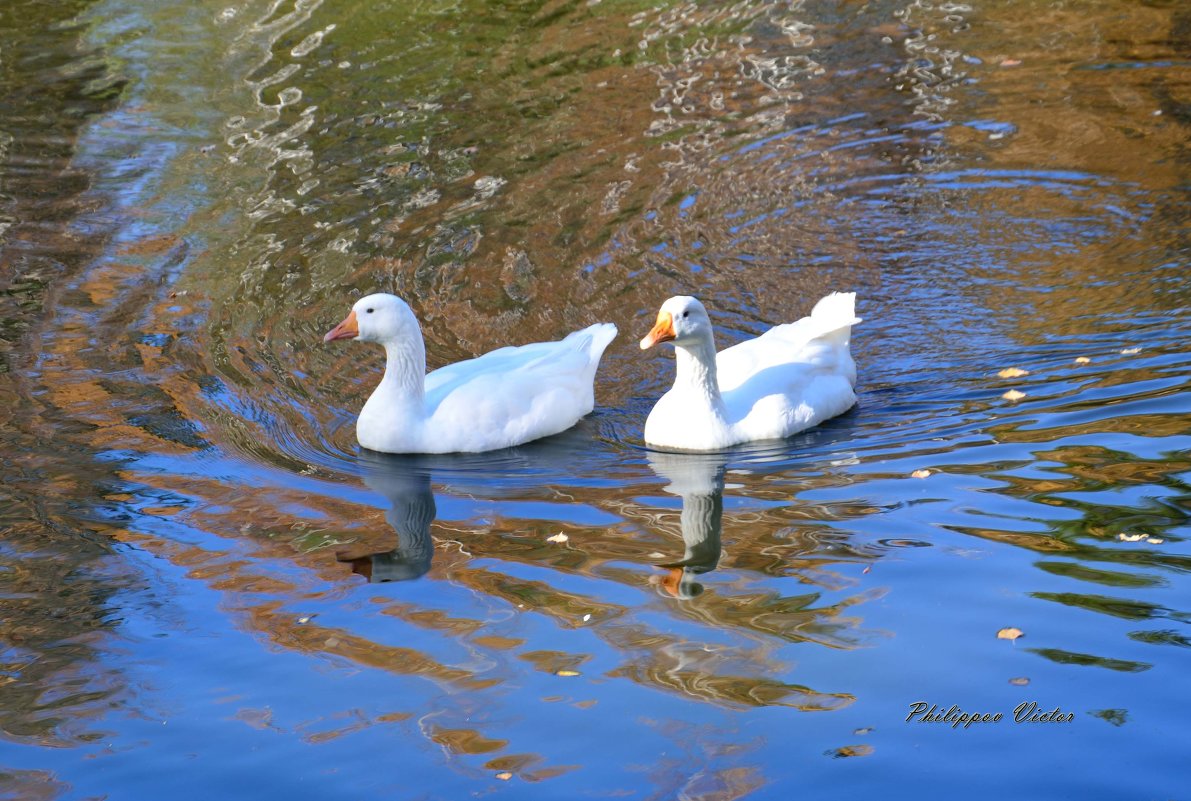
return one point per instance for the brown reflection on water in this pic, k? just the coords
(732, 676)
(284, 630)
(52, 85)
(1085, 110)
(1106, 112)
(690, 772)
(480, 559)
(34, 785)
(1096, 533)
(58, 574)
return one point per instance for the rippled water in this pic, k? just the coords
(208, 591)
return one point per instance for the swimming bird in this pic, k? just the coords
(790, 378)
(504, 398)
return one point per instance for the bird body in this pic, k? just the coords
(503, 398)
(790, 378)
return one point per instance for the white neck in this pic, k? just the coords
(403, 389)
(695, 373)
(702, 522)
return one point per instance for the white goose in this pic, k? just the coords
(790, 378)
(504, 398)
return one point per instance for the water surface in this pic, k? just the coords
(208, 587)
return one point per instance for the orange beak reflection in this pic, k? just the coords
(663, 331)
(348, 329)
(673, 581)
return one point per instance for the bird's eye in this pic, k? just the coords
(686, 314)
(370, 311)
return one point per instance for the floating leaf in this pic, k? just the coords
(1010, 634)
(1117, 717)
(1013, 372)
(505, 776)
(566, 673)
(1155, 540)
(1082, 360)
(1013, 395)
(1020, 681)
(559, 537)
(923, 473)
(849, 751)
(1130, 351)
(1123, 537)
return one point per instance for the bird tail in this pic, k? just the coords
(594, 339)
(834, 317)
(838, 308)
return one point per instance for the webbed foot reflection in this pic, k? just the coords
(699, 479)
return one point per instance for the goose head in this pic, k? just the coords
(681, 320)
(379, 318)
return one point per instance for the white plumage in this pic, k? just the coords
(504, 398)
(790, 378)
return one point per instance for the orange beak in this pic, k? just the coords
(663, 331)
(348, 329)
(673, 580)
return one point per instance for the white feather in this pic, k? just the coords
(504, 398)
(790, 378)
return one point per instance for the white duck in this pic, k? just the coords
(790, 378)
(504, 398)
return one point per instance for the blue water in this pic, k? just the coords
(211, 592)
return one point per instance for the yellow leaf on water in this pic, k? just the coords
(1082, 360)
(1013, 395)
(566, 673)
(1013, 372)
(505, 776)
(559, 537)
(850, 751)
(923, 473)
(1010, 634)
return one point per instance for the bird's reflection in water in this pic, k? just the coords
(699, 479)
(405, 481)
